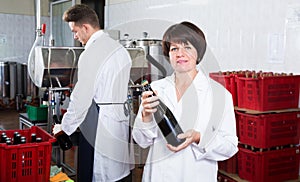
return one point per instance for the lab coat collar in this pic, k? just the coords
(92, 39)
(200, 81)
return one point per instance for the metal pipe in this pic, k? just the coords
(38, 40)
(38, 14)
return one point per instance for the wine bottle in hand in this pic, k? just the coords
(165, 120)
(63, 139)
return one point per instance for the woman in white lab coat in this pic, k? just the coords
(202, 107)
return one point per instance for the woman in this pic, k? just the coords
(202, 107)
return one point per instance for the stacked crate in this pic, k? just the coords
(227, 79)
(268, 120)
(30, 161)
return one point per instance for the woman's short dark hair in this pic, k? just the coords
(184, 32)
(81, 14)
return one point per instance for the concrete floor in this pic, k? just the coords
(9, 119)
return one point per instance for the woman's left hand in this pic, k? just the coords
(190, 136)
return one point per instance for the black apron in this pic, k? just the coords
(86, 144)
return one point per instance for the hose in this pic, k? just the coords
(156, 64)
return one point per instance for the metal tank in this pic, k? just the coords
(12, 79)
(148, 61)
(27, 87)
(22, 79)
(4, 80)
(19, 82)
(159, 66)
(55, 66)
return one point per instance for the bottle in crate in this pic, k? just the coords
(33, 137)
(26, 162)
(272, 165)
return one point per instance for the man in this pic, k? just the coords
(103, 75)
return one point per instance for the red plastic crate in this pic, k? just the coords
(229, 165)
(268, 93)
(269, 130)
(274, 165)
(228, 81)
(29, 161)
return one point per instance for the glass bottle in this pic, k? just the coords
(33, 137)
(3, 137)
(165, 120)
(63, 139)
(17, 138)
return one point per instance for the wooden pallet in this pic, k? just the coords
(249, 111)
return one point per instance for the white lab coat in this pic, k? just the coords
(105, 82)
(194, 110)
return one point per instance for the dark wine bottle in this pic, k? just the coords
(17, 139)
(165, 120)
(62, 138)
(3, 138)
(33, 137)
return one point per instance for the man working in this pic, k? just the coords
(103, 75)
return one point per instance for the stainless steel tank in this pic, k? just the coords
(26, 87)
(21, 79)
(148, 60)
(55, 66)
(160, 67)
(12, 79)
(4, 80)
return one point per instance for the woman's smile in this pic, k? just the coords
(181, 61)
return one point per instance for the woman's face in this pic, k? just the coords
(183, 57)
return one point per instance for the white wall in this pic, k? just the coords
(18, 35)
(248, 34)
(24, 7)
(17, 32)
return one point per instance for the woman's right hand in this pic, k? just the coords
(149, 104)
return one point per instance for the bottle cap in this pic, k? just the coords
(38, 139)
(8, 142)
(23, 138)
(23, 141)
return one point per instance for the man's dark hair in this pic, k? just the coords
(81, 14)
